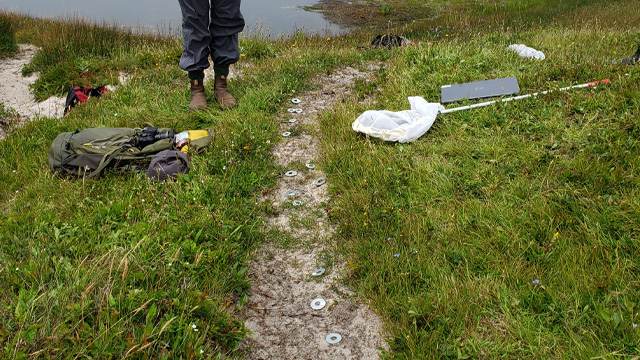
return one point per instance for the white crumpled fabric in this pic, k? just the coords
(403, 126)
(527, 52)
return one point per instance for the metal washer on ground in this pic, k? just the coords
(291, 173)
(320, 181)
(310, 165)
(333, 338)
(293, 121)
(297, 203)
(291, 110)
(298, 110)
(317, 304)
(318, 272)
(295, 101)
(291, 193)
(286, 134)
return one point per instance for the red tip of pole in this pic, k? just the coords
(605, 81)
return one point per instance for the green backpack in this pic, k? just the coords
(88, 152)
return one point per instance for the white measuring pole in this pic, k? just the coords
(473, 106)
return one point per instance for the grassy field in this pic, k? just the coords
(505, 232)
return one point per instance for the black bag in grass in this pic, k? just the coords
(389, 41)
(80, 94)
(168, 163)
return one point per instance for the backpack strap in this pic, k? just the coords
(106, 160)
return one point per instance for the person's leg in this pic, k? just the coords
(226, 23)
(196, 38)
(226, 53)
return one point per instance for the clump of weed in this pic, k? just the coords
(255, 48)
(8, 45)
(364, 88)
(8, 117)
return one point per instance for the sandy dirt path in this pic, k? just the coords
(280, 313)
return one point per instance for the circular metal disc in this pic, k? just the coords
(292, 121)
(320, 181)
(286, 134)
(295, 101)
(291, 193)
(317, 304)
(291, 110)
(297, 203)
(291, 173)
(318, 272)
(310, 165)
(298, 110)
(333, 338)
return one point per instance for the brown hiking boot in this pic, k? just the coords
(223, 97)
(198, 97)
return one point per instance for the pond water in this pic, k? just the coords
(263, 17)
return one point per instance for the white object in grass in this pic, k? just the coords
(402, 126)
(527, 52)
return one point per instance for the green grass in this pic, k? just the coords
(487, 202)
(515, 226)
(123, 267)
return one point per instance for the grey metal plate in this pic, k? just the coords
(479, 89)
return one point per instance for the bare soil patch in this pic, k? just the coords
(279, 313)
(15, 92)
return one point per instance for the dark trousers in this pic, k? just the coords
(210, 28)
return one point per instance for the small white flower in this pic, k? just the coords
(201, 351)
(187, 264)
(170, 264)
(634, 325)
(194, 199)
(17, 269)
(193, 326)
(142, 200)
(223, 168)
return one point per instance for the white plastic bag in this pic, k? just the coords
(527, 52)
(403, 126)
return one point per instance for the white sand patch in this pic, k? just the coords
(15, 91)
